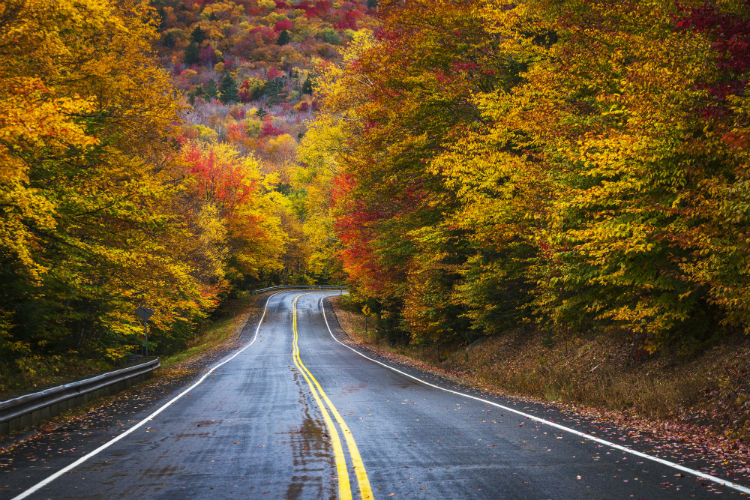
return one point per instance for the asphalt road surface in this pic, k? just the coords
(296, 414)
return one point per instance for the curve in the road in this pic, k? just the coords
(267, 437)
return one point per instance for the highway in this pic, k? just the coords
(297, 414)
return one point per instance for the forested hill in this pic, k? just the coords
(247, 68)
(246, 71)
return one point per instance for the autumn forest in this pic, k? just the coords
(464, 167)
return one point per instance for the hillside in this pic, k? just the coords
(248, 68)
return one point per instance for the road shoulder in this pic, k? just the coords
(696, 448)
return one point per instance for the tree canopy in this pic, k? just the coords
(573, 165)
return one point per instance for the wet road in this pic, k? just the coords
(298, 415)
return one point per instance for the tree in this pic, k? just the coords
(307, 87)
(399, 113)
(192, 53)
(89, 221)
(210, 90)
(230, 195)
(284, 38)
(197, 36)
(567, 163)
(227, 88)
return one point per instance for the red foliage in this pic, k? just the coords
(349, 21)
(244, 92)
(318, 9)
(730, 35)
(236, 132)
(730, 40)
(218, 181)
(284, 24)
(207, 56)
(464, 66)
(269, 130)
(353, 229)
(390, 35)
(274, 73)
(268, 34)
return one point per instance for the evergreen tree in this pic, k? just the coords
(273, 87)
(192, 52)
(284, 38)
(209, 89)
(228, 88)
(197, 36)
(307, 86)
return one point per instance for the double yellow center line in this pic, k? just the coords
(345, 491)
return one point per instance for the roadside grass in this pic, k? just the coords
(227, 323)
(606, 372)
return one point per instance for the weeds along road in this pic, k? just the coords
(296, 414)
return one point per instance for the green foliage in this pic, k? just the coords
(329, 35)
(210, 90)
(171, 37)
(273, 87)
(192, 52)
(307, 87)
(284, 38)
(227, 89)
(197, 36)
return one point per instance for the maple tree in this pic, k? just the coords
(228, 193)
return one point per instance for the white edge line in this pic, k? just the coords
(699, 474)
(112, 441)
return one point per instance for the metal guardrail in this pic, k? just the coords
(29, 409)
(295, 287)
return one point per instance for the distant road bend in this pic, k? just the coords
(297, 414)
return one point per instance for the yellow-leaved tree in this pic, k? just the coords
(93, 192)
